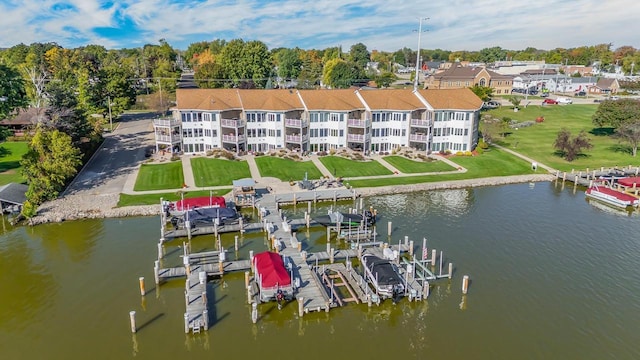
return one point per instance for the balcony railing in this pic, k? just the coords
(356, 138)
(419, 122)
(296, 138)
(233, 123)
(294, 123)
(232, 138)
(357, 123)
(418, 137)
(166, 122)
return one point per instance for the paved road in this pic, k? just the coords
(122, 151)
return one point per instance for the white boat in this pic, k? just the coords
(611, 196)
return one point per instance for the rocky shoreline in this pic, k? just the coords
(91, 206)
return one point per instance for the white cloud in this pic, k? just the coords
(382, 24)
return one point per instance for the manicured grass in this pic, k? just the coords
(409, 166)
(342, 167)
(537, 141)
(217, 172)
(286, 169)
(160, 176)
(490, 163)
(152, 199)
(10, 156)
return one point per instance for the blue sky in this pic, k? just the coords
(379, 24)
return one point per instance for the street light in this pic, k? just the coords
(415, 81)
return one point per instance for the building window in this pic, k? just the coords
(483, 82)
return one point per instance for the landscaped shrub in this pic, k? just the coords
(332, 151)
(175, 157)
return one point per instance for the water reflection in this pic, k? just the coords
(28, 286)
(73, 241)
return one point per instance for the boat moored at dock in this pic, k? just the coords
(611, 196)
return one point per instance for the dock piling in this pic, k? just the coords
(301, 306)
(465, 284)
(205, 316)
(433, 257)
(249, 294)
(132, 320)
(142, 290)
(156, 271)
(450, 270)
(425, 289)
(254, 312)
(236, 243)
(186, 323)
(389, 227)
(410, 248)
(160, 252)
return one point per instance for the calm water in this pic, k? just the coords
(553, 277)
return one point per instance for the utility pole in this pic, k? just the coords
(415, 81)
(161, 104)
(110, 118)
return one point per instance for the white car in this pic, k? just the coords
(564, 101)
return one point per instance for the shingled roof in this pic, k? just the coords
(13, 193)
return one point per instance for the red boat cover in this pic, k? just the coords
(630, 181)
(270, 267)
(198, 202)
(617, 194)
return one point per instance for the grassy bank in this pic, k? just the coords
(537, 141)
(286, 169)
(160, 176)
(490, 163)
(218, 172)
(10, 155)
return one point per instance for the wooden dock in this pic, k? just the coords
(587, 177)
(317, 276)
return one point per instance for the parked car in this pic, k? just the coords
(549, 102)
(614, 97)
(491, 104)
(564, 101)
(581, 93)
(544, 94)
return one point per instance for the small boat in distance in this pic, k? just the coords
(611, 196)
(333, 218)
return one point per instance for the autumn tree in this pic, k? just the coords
(630, 133)
(570, 147)
(483, 92)
(48, 164)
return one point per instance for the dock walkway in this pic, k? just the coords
(196, 316)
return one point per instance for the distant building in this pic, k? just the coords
(320, 120)
(459, 76)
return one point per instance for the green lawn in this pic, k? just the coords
(10, 156)
(160, 176)
(409, 166)
(342, 167)
(151, 199)
(286, 169)
(537, 141)
(217, 172)
(490, 163)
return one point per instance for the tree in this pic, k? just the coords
(630, 132)
(515, 100)
(359, 55)
(12, 93)
(483, 92)
(337, 74)
(288, 62)
(616, 113)
(50, 161)
(385, 79)
(570, 147)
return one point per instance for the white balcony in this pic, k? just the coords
(232, 138)
(418, 137)
(166, 122)
(356, 138)
(294, 123)
(421, 123)
(232, 123)
(357, 123)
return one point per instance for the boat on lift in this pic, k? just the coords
(611, 196)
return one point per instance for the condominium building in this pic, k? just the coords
(320, 120)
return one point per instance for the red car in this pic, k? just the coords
(549, 102)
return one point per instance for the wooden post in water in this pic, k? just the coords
(301, 306)
(186, 323)
(465, 284)
(425, 289)
(205, 316)
(564, 177)
(389, 227)
(249, 297)
(331, 255)
(361, 204)
(433, 257)
(160, 252)
(441, 257)
(156, 271)
(215, 229)
(450, 270)
(132, 320)
(246, 279)
(241, 222)
(251, 259)
(335, 196)
(204, 298)
(220, 266)
(254, 312)
(141, 281)
(236, 243)
(295, 201)
(410, 248)
(187, 225)
(328, 234)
